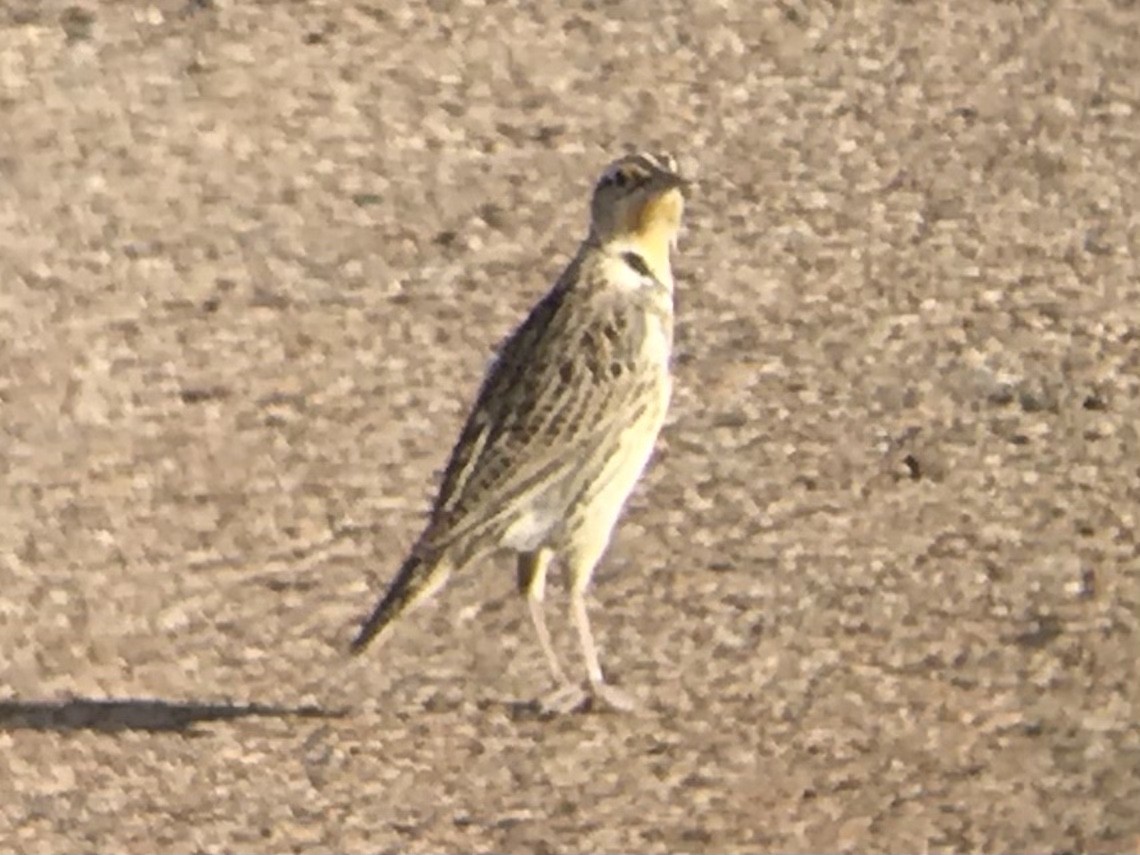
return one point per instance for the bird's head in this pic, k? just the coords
(638, 200)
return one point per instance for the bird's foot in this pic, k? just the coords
(614, 698)
(567, 698)
(571, 698)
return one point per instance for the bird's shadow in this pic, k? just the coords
(148, 715)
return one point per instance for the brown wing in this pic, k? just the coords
(562, 387)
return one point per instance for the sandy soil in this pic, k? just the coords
(881, 587)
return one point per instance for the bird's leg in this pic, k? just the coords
(538, 618)
(532, 567)
(583, 558)
(612, 695)
(586, 637)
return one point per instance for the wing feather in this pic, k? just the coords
(553, 404)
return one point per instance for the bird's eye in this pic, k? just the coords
(619, 178)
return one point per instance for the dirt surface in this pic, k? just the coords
(880, 588)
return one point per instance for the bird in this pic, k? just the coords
(564, 423)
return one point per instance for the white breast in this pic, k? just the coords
(624, 277)
(658, 342)
(618, 272)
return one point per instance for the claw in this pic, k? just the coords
(565, 699)
(615, 698)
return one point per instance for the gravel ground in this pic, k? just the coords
(880, 589)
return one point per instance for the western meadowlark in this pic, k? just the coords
(565, 421)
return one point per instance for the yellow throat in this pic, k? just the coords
(653, 227)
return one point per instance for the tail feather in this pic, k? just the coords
(416, 581)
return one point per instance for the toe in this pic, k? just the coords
(615, 698)
(565, 699)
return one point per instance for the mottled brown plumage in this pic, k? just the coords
(566, 418)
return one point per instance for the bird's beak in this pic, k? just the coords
(663, 182)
